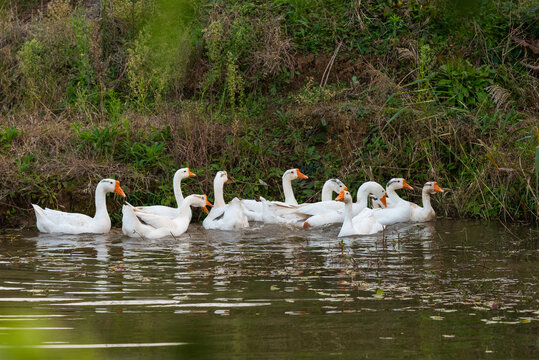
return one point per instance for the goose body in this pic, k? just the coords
(138, 223)
(171, 212)
(425, 213)
(225, 216)
(54, 221)
(364, 223)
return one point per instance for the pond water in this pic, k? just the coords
(445, 290)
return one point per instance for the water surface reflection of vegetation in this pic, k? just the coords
(442, 290)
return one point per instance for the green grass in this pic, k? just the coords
(427, 90)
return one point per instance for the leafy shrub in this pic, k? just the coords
(461, 84)
(101, 140)
(158, 57)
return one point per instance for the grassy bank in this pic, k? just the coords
(427, 90)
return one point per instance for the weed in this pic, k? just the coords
(7, 135)
(459, 83)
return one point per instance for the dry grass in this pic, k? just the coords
(500, 96)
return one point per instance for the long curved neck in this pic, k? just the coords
(100, 202)
(426, 200)
(289, 197)
(219, 200)
(327, 192)
(177, 186)
(186, 204)
(363, 196)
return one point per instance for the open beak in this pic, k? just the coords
(383, 200)
(437, 188)
(191, 174)
(405, 185)
(340, 197)
(207, 204)
(118, 190)
(301, 175)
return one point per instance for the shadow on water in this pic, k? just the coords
(442, 290)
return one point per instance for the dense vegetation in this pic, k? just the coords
(373, 89)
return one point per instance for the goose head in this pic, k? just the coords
(110, 185)
(344, 196)
(398, 183)
(184, 173)
(293, 174)
(336, 185)
(200, 201)
(221, 178)
(432, 187)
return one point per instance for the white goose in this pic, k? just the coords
(398, 210)
(168, 211)
(156, 226)
(332, 212)
(425, 213)
(267, 210)
(54, 221)
(224, 216)
(364, 223)
(294, 215)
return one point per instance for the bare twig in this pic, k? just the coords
(325, 75)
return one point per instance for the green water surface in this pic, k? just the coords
(442, 290)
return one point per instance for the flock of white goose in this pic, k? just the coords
(158, 221)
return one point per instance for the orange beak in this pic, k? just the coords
(437, 188)
(207, 204)
(190, 173)
(300, 175)
(340, 197)
(345, 188)
(405, 185)
(118, 190)
(227, 181)
(383, 200)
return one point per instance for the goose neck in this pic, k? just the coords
(100, 202)
(347, 212)
(392, 194)
(219, 200)
(327, 192)
(186, 204)
(289, 197)
(177, 186)
(426, 199)
(363, 196)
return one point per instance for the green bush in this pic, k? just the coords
(458, 83)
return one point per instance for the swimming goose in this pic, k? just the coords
(54, 221)
(258, 210)
(138, 223)
(364, 223)
(225, 216)
(168, 211)
(425, 213)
